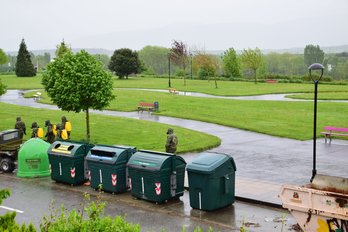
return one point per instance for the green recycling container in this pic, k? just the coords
(211, 178)
(156, 176)
(33, 159)
(107, 167)
(67, 161)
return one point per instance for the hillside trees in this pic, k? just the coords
(78, 82)
(124, 62)
(252, 59)
(313, 54)
(24, 66)
(155, 59)
(231, 63)
(62, 48)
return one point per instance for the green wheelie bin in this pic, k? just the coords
(67, 161)
(107, 167)
(156, 176)
(211, 179)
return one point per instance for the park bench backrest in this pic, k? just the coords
(146, 104)
(339, 129)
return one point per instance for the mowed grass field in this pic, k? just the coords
(225, 88)
(109, 130)
(278, 118)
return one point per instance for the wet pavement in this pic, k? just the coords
(263, 162)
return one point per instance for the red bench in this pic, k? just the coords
(271, 81)
(146, 106)
(334, 131)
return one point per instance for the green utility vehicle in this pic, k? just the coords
(10, 142)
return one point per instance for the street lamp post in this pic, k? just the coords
(316, 79)
(191, 64)
(169, 84)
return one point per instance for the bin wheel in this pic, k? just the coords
(7, 165)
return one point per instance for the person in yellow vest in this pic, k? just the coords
(62, 134)
(66, 125)
(49, 134)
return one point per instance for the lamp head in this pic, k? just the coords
(316, 66)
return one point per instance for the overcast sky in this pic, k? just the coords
(207, 24)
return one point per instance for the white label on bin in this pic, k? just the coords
(60, 169)
(72, 172)
(100, 176)
(130, 183)
(142, 185)
(200, 200)
(114, 179)
(158, 188)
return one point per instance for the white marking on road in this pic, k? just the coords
(11, 209)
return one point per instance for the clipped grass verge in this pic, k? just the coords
(110, 130)
(321, 96)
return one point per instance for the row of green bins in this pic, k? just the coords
(67, 161)
(107, 167)
(156, 176)
(211, 181)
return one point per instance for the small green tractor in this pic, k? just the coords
(10, 142)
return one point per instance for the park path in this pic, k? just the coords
(263, 162)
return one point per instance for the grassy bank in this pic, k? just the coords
(110, 130)
(284, 119)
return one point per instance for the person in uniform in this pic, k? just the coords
(63, 125)
(20, 125)
(49, 134)
(172, 141)
(34, 128)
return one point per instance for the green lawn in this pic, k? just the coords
(321, 96)
(225, 88)
(110, 130)
(284, 119)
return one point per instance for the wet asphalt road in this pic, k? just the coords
(34, 197)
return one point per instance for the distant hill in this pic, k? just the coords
(329, 49)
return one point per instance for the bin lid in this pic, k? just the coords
(152, 160)
(208, 162)
(69, 148)
(109, 154)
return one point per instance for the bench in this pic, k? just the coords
(173, 90)
(146, 106)
(271, 81)
(334, 131)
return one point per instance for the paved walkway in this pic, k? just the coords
(263, 162)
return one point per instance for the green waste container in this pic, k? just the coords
(67, 161)
(211, 179)
(33, 159)
(107, 167)
(156, 176)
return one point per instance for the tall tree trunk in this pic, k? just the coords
(215, 83)
(87, 126)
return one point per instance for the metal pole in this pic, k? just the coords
(314, 171)
(169, 71)
(191, 66)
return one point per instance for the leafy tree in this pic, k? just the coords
(62, 48)
(124, 62)
(3, 57)
(206, 65)
(313, 54)
(231, 63)
(78, 82)
(24, 66)
(2, 88)
(252, 59)
(155, 59)
(179, 55)
(104, 59)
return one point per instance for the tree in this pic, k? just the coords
(62, 48)
(231, 63)
(206, 66)
(179, 55)
(78, 82)
(104, 59)
(155, 59)
(2, 88)
(3, 57)
(124, 62)
(252, 59)
(313, 54)
(24, 66)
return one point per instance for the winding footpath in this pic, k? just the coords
(262, 161)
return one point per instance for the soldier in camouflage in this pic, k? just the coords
(64, 120)
(35, 128)
(172, 141)
(20, 125)
(49, 134)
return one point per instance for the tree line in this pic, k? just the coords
(192, 63)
